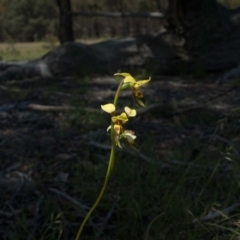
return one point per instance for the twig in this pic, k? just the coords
(215, 136)
(99, 145)
(82, 207)
(106, 147)
(6, 214)
(106, 219)
(148, 159)
(218, 213)
(183, 110)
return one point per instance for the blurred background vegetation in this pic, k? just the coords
(29, 28)
(36, 20)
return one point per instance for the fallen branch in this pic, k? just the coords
(39, 107)
(6, 214)
(49, 108)
(167, 110)
(119, 14)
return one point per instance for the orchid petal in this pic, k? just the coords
(130, 112)
(122, 74)
(129, 79)
(109, 108)
(129, 136)
(141, 82)
(122, 117)
(117, 128)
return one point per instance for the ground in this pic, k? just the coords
(54, 148)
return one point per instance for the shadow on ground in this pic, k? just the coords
(50, 128)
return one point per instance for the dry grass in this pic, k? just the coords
(32, 50)
(24, 51)
(230, 3)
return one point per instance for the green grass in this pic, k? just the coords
(148, 201)
(145, 200)
(163, 204)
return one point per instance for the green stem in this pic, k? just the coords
(109, 170)
(99, 196)
(117, 93)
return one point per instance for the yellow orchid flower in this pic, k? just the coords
(118, 121)
(129, 81)
(118, 134)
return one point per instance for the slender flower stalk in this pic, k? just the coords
(109, 169)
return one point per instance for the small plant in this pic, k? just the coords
(118, 134)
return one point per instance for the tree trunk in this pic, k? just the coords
(210, 33)
(202, 23)
(65, 21)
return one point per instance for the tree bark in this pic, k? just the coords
(65, 21)
(202, 23)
